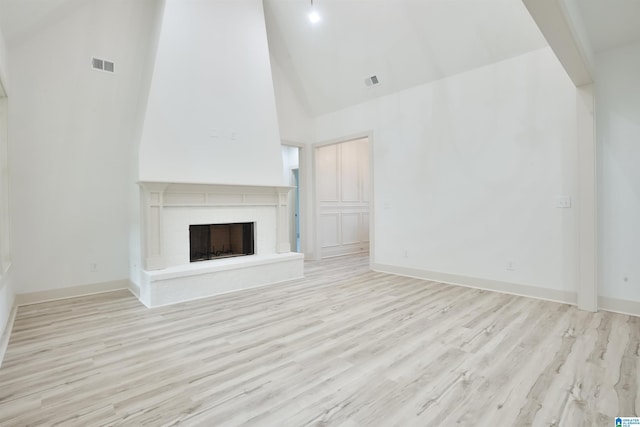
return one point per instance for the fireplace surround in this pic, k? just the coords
(168, 212)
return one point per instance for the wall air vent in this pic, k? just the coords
(102, 65)
(372, 81)
(109, 66)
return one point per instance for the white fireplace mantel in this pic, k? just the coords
(167, 211)
(159, 197)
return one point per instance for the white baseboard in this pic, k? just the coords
(70, 292)
(6, 334)
(478, 283)
(351, 249)
(619, 306)
(134, 288)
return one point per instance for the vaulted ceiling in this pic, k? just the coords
(610, 23)
(403, 42)
(18, 18)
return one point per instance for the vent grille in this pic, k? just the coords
(371, 81)
(102, 65)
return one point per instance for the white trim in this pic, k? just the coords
(621, 306)
(301, 193)
(134, 289)
(587, 200)
(159, 197)
(551, 18)
(479, 283)
(303, 190)
(6, 334)
(71, 292)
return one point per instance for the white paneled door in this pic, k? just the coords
(342, 184)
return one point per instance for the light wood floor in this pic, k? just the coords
(344, 347)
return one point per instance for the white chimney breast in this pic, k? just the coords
(212, 71)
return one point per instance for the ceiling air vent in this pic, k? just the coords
(372, 81)
(102, 65)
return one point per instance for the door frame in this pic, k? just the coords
(316, 202)
(303, 190)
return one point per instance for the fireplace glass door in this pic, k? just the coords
(214, 241)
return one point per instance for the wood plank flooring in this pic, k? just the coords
(343, 347)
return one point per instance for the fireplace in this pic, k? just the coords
(214, 241)
(180, 224)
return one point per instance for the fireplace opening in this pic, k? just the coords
(214, 241)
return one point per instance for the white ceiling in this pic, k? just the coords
(610, 23)
(20, 17)
(404, 42)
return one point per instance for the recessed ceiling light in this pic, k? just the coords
(314, 17)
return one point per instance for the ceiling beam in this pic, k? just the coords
(558, 28)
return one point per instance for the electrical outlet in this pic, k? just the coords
(563, 202)
(93, 267)
(406, 254)
(510, 266)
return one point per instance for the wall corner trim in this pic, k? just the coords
(133, 288)
(529, 291)
(6, 334)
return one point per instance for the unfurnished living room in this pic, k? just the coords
(319, 212)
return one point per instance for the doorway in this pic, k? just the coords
(292, 163)
(343, 194)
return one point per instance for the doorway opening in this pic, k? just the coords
(343, 194)
(292, 162)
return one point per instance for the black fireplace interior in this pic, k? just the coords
(213, 241)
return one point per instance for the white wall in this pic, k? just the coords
(7, 292)
(293, 119)
(467, 170)
(4, 63)
(70, 138)
(211, 114)
(618, 135)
